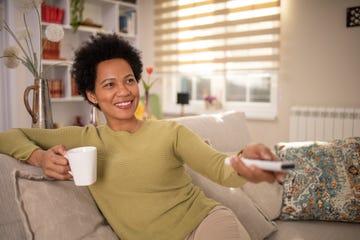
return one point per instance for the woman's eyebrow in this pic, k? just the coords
(107, 79)
(129, 75)
(113, 78)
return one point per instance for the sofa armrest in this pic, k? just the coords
(11, 226)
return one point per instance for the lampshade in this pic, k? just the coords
(182, 98)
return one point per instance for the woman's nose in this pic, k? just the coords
(122, 90)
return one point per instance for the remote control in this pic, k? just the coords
(268, 165)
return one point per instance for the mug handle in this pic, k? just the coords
(67, 157)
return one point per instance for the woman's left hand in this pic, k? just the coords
(253, 173)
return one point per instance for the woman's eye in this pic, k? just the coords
(131, 80)
(108, 85)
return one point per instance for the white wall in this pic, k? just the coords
(146, 31)
(146, 39)
(320, 61)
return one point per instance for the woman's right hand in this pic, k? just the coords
(52, 161)
(252, 173)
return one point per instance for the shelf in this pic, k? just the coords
(45, 24)
(128, 36)
(68, 99)
(54, 62)
(126, 4)
(83, 28)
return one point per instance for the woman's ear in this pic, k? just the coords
(91, 96)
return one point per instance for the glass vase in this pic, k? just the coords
(147, 110)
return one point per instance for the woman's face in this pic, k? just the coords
(116, 91)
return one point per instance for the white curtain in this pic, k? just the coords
(5, 85)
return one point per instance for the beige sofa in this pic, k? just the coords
(34, 207)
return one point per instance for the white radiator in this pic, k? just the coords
(323, 124)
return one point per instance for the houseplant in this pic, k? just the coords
(76, 8)
(24, 52)
(147, 84)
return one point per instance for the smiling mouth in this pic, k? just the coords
(124, 105)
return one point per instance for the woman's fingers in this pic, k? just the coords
(253, 173)
(54, 164)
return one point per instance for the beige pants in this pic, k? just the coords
(220, 224)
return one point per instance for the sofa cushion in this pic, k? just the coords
(266, 196)
(227, 132)
(58, 209)
(315, 230)
(325, 184)
(251, 217)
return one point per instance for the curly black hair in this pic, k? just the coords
(98, 48)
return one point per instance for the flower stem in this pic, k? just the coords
(40, 40)
(29, 43)
(27, 58)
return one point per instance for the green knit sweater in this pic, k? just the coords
(141, 188)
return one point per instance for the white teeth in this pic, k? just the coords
(123, 103)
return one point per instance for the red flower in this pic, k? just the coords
(149, 70)
(148, 84)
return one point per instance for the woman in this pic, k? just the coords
(142, 188)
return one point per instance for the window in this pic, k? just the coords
(227, 50)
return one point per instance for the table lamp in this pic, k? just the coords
(182, 98)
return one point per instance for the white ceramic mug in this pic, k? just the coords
(83, 165)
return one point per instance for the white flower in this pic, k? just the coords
(11, 51)
(54, 32)
(28, 57)
(11, 57)
(11, 62)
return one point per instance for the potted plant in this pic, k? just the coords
(76, 9)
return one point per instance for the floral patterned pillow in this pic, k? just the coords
(325, 184)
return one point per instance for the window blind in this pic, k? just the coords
(219, 36)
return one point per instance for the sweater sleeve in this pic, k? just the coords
(21, 142)
(204, 159)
